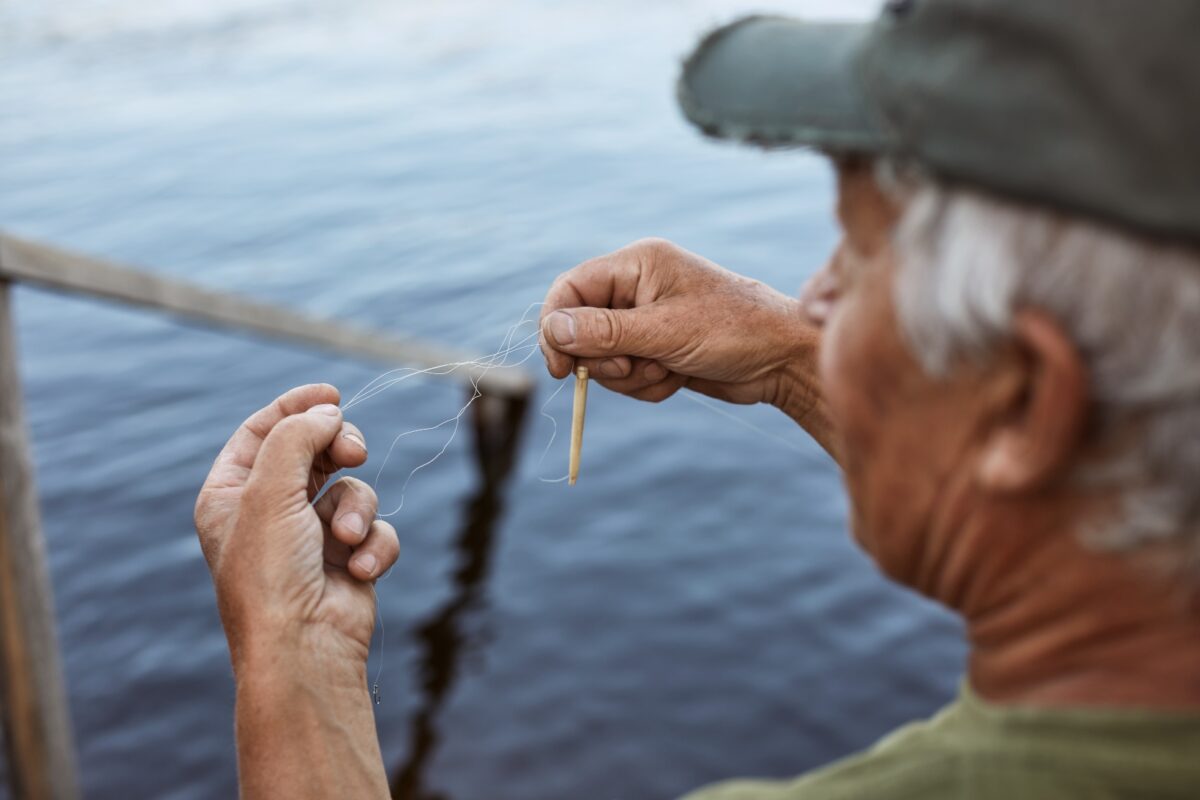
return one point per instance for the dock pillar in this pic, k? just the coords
(37, 728)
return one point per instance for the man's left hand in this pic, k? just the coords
(292, 575)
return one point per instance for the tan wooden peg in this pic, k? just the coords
(577, 414)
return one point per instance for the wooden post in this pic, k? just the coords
(37, 729)
(497, 420)
(37, 734)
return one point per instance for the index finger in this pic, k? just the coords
(609, 281)
(233, 464)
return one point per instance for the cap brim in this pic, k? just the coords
(780, 82)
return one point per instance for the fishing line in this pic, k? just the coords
(483, 363)
(454, 420)
(390, 378)
(375, 695)
(525, 348)
(553, 431)
(745, 423)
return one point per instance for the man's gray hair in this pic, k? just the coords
(968, 260)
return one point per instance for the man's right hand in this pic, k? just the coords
(652, 318)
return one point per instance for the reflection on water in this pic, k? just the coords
(691, 610)
(443, 640)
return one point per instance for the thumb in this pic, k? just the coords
(285, 461)
(595, 332)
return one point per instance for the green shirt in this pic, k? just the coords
(983, 751)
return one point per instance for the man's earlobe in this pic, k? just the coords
(1038, 435)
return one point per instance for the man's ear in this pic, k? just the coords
(1037, 435)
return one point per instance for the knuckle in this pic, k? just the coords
(201, 511)
(278, 406)
(389, 540)
(614, 368)
(652, 244)
(606, 330)
(361, 490)
(288, 427)
(653, 249)
(354, 485)
(557, 284)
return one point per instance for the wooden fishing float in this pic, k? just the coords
(580, 407)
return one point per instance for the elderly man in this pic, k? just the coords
(1003, 356)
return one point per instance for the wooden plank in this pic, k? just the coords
(37, 732)
(53, 268)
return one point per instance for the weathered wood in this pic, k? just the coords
(497, 422)
(37, 732)
(53, 268)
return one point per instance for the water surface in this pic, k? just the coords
(691, 610)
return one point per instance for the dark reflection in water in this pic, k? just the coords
(691, 611)
(442, 638)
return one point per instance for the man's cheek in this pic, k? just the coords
(843, 382)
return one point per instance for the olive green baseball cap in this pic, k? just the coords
(1090, 106)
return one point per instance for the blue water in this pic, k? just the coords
(691, 610)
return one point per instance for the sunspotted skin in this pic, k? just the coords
(960, 487)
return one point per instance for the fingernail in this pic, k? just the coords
(325, 408)
(367, 563)
(610, 368)
(352, 522)
(655, 372)
(562, 327)
(355, 439)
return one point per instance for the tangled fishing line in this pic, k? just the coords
(519, 351)
(523, 349)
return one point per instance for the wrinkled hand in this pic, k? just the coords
(652, 318)
(291, 574)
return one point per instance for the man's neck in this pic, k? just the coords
(1052, 623)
